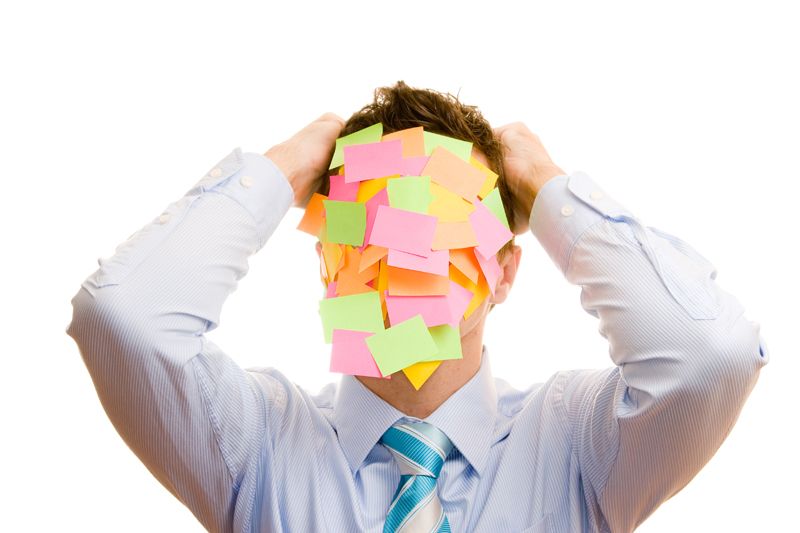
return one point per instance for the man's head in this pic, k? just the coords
(400, 108)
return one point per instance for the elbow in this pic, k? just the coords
(727, 367)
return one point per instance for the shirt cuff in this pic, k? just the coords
(256, 183)
(564, 208)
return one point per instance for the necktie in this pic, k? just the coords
(420, 449)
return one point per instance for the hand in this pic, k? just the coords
(305, 157)
(527, 167)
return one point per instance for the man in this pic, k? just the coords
(584, 451)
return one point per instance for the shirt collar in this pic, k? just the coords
(467, 417)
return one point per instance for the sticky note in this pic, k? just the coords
(359, 312)
(418, 373)
(448, 206)
(413, 166)
(490, 232)
(402, 282)
(489, 180)
(375, 160)
(412, 193)
(461, 149)
(370, 134)
(434, 310)
(345, 222)
(454, 235)
(403, 230)
(479, 290)
(448, 342)
(371, 255)
(401, 345)
(490, 268)
(314, 215)
(341, 190)
(437, 261)
(368, 188)
(332, 254)
(495, 205)
(330, 292)
(464, 259)
(350, 355)
(454, 174)
(379, 198)
(412, 138)
(350, 279)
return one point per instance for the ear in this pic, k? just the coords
(509, 266)
(319, 250)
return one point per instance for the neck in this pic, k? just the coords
(451, 375)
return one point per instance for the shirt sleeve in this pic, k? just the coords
(187, 410)
(686, 358)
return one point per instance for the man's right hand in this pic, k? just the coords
(305, 157)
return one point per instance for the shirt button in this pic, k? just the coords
(246, 181)
(216, 172)
(567, 210)
(596, 195)
(163, 219)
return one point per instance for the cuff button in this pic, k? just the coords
(215, 172)
(246, 181)
(596, 195)
(567, 210)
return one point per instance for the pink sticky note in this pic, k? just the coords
(379, 198)
(373, 160)
(491, 269)
(490, 232)
(350, 355)
(341, 190)
(435, 310)
(412, 166)
(438, 262)
(403, 230)
(458, 298)
(331, 290)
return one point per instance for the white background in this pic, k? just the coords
(685, 112)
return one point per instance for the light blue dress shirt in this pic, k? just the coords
(248, 450)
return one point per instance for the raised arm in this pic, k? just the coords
(686, 358)
(187, 410)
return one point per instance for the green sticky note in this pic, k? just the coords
(448, 342)
(358, 312)
(462, 149)
(495, 205)
(401, 345)
(412, 193)
(345, 222)
(370, 134)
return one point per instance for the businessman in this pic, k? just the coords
(583, 450)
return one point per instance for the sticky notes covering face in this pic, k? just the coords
(409, 232)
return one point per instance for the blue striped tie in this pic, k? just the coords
(419, 449)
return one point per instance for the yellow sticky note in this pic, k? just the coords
(448, 206)
(489, 182)
(418, 373)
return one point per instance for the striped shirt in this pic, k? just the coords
(248, 450)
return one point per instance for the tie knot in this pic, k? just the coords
(419, 448)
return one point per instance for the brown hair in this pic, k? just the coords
(400, 107)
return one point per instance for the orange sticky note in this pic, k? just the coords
(479, 290)
(465, 261)
(453, 173)
(403, 282)
(418, 373)
(489, 180)
(412, 139)
(314, 215)
(371, 255)
(447, 205)
(349, 279)
(454, 235)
